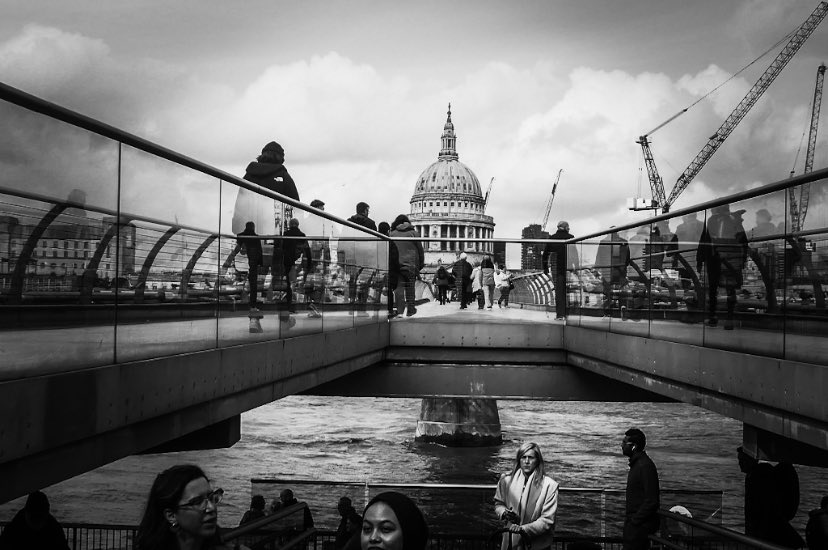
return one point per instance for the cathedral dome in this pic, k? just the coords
(448, 203)
(447, 185)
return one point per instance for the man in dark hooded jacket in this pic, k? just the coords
(34, 527)
(561, 258)
(268, 170)
(409, 262)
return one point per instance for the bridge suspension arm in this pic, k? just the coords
(714, 142)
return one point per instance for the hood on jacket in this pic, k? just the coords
(404, 227)
(260, 169)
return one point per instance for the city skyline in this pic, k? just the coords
(357, 92)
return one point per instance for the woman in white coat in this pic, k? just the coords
(527, 499)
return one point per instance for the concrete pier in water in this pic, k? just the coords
(459, 422)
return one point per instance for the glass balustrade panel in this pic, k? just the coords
(58, 189)
(168, 263)
(804, 276)
(739, 255)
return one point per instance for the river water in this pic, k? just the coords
(372, 439)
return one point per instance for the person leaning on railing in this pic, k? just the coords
(181, 512)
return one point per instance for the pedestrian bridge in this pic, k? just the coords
(125, 326)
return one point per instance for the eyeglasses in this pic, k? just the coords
(201, 501)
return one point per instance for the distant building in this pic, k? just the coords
(447, 202)
(531, 254)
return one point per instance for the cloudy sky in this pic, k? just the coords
(357, 91)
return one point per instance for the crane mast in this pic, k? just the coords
(488, 192)
(549, 202)
(799, 211)
(715, 141)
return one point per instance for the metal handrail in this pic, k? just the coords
(717, 530)
(468, 486)
(52, 110)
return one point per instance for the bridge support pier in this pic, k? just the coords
(459, 422)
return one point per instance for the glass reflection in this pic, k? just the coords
(169, 227)
(58, 185)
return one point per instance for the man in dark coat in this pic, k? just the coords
(611, 261)
(723, 248)
(253, 249)
(350, 522)
(561, 258)
(361, 216)
(294, 248)
(34, 527)
(461, 271)
(642, 492)
(816, 531)
(268, 170)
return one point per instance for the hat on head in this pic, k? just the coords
(739, 212)
(273, 146)
(563, 225)
(316, 203)
(412, 522)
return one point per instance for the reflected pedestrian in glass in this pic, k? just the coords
(527, 499)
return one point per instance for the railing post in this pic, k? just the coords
(365, 495)
(74, 538)
(603, 513)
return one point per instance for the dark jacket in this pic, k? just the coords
(642, 498)
(272, 176)
(612, 259)
(441, 277)
(461, 270)
(294, 248)
(410, 254)
(18, 535)
(816, 531)
(556, 254)
(251, 515)
(252, 247)
(348, 525)
(364, 221)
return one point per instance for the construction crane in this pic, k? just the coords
(488, 192)
(715, 141)
(549, 202)
(800, 208)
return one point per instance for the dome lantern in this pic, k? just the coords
(449, 150)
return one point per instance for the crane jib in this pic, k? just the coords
(715, 141)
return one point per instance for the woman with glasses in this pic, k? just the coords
(181, 512)
(527, 500)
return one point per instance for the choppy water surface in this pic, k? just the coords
(359, 439)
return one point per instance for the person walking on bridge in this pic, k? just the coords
(409, 261)
(462, 270)
(561, 258)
